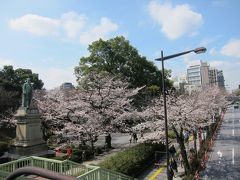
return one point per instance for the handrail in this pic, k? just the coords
(39, 172)
(33, 165)
(18, 160)
(102, 173)
(46, 159)
(64, 167)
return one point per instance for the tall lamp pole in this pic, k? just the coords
(197, 51)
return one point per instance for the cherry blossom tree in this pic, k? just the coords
(185, 113)
(102, 104)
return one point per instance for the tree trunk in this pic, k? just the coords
(180, 140)
(200, 137)
(92, 144)
(195, 141)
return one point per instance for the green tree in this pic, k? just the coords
(8, 99)
(11, 79)
(11, 82)
(117, 57)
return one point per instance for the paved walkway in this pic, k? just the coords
(159, 173)
(152, 173)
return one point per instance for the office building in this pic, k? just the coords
(197, 74)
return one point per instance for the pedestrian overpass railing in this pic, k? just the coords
(101, 173)
(65, 167)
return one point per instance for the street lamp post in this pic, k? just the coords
(197, 51)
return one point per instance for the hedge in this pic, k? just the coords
(132, 160)
(171, 134)
(3, 147)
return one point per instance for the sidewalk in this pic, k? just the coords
(160, 173)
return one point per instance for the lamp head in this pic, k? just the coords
(200, 50)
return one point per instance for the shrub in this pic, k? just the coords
(98, 150)
(3, 147)
(60, 158)
(189, 177)
(64, 151)
(171, 134)
(76, 158)
(132, 160)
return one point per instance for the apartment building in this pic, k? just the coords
(212, 74)
(220, 79)
(197, 74)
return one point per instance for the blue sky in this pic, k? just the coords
(50, 36)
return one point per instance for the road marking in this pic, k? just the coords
(158, 172)
(232, 155)
(233, 132)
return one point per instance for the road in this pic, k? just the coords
(224, 160)
(118, 140)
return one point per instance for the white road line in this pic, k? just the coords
(233, 132)
(232, 155)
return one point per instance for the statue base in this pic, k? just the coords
(28, 141)
(36, 150)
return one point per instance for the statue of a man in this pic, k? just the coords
(27, 93)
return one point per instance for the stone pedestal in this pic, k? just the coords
(28, 140)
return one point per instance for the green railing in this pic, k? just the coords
(65, 167)
(98, 173)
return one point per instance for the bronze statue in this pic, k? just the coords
(27, 93)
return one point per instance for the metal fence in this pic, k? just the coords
(65, 167)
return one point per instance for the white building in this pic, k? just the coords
(180, 82)
(197, 73)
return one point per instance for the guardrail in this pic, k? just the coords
(65, 167)
(101, 173)
(39, 172)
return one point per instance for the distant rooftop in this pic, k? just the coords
(67, 85)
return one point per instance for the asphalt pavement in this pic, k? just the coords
(224, 160)
(118, 140)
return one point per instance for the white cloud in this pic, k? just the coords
(189, 59)
(51, 76)
(34, 24)
(232, 48)
(70, 26)
(54, 77)
(213, 51)
(98, 31)
(218, 2)
(73, 24)
(231, 71)
(216, 63)
(207, 41)
(4, 62)
(177, 21)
